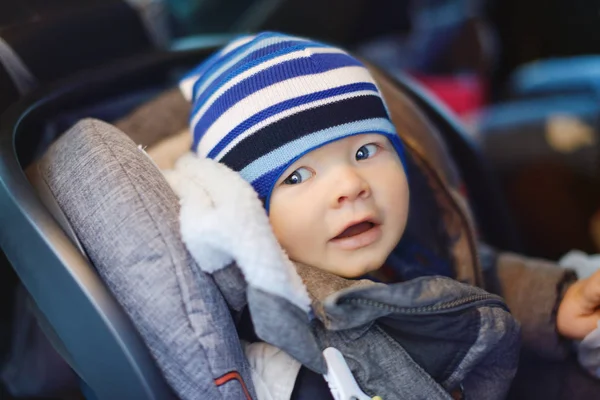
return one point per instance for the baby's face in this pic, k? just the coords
(343, 207)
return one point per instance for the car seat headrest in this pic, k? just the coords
(45, 194)
(125, 215)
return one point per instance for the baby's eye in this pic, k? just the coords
(298, 176)
(366, 151)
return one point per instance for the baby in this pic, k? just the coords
(305, 124)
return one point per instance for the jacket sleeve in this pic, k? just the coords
(532, 289)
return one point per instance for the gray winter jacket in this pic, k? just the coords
(420, 339)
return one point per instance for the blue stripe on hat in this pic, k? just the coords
(295, 149)
(279, 108)
(245, 54)
(223, 55)
(315, 119)
(221, 80)
(277, 73)
(264, 185)
(200, 71)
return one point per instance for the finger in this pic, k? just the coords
(577, 327)
(591, 290)
(586, 325)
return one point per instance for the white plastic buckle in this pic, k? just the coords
(341, 382)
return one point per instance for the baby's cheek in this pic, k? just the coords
(297, 244)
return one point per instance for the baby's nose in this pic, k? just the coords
(350, 185)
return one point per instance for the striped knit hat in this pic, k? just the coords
(264, 101)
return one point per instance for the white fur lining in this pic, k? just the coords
(222, 220)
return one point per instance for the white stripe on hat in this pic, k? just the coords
(275, 94)
(236, 43)
(186, 85)
(261, 67)
(261, 45)
(286, 113)
(288, 152)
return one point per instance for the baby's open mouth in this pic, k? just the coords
(358, 235)
(356, 229)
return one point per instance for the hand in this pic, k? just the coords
(579, 312)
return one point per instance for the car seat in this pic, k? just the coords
(76, 310)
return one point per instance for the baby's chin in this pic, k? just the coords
(349, 266)
(352, 270)
(353, 273)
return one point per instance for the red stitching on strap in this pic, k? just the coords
(234, 375)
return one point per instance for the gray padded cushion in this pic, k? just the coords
(126, 218)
